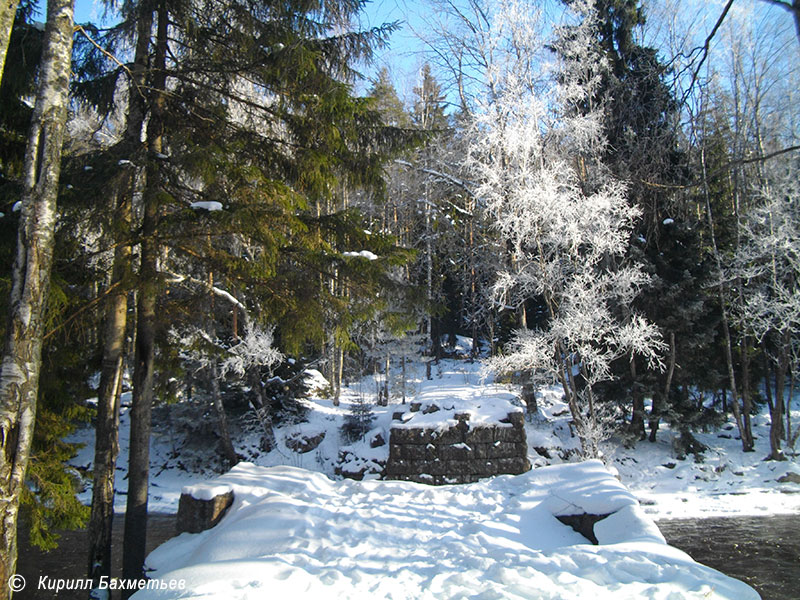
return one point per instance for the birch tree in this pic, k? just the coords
(8, 10)
(19, 378)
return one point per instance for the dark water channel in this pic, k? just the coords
(762, 551)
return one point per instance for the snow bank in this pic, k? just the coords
(295, 533)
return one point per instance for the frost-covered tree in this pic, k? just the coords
(565, 219)
(768, 264)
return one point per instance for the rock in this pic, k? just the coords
(431, 408)
(196, 515)
(479, 435)
(583, 524)
(790, 477)
(377, 441)
(302, 443)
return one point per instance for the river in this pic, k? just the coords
(763, 551)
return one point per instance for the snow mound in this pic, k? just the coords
(295, 533)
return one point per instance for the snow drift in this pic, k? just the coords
(293, 533)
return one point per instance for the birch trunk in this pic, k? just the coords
(22, 355)
(135, 537)
(8, 10)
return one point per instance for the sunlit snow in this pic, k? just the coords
(293, 533)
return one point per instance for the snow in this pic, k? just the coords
(498, 538)
(727, 483)
(17, 206)
(363, 254)
(668, 221)
(210, 206)
(205, 491)
(296, 533)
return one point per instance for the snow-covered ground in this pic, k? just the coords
(727, 482)
(293, 533)
(296, 526)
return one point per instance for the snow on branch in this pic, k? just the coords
(178, 278)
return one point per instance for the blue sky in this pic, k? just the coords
(403, 57)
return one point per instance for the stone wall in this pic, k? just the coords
(458, 454)
(198, 514)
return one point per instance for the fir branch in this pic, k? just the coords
(81, 310)
(111, 57)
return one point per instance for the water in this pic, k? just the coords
(762, 551)
(69, 560)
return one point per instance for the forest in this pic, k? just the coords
(201, 199)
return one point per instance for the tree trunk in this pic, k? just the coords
(658, 405)
(228, 451)
(747, 404)
(139, 457)
(22, 355)
(106, 446)
(8, 10)
(637, 413)
(262, 409)
(724, 313)
(386, 374)
(776, 426)
(107, 429)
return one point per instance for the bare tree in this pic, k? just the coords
(793, 8)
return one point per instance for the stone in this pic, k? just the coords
(196, 515)
(512, 466)
(415, 406)
(790, 477)
(509, 434)
(450, 436)
(302, 443)
(456, 452)
(583, 524)
(413, 452)
(504, 450)
(515, 418)
(479, 435)
(408, 435)
(377, 441)
(431, 408)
